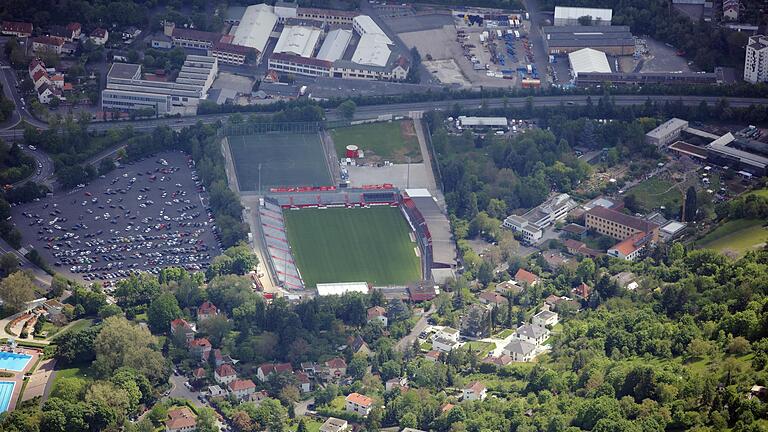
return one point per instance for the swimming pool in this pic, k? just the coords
(6, 391)
(14, 362)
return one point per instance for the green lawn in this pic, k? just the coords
(75, 326)
(651, 194)
(760, 192)
(503, 334)
(338, 403)
(311, 424)
(393, 141)
(352, 245)
(72, 372)
(483, 347)
(739, 236)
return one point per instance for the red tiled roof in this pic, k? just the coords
(238, 385)
(359, 399)
(447, 407)
(68, 86)
(35, 62)
(476, 387)
(270, 368)
(524, 275)
(376, 311)
(99, 33)
(180, 322)
(198, 373)
(207, 308)
(574, 244)
(201, 342)
(421, 292)
(336, 363)
(492, 297)
(626, 247)
(74, 26)
(180, 418)
(17, 27)
(582, 290)
(433, 354)
(39, 74)
(225, 370)
(49, 40)
(302, 377)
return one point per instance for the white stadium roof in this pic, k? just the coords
(340, 288)
(588, 60)
(298, 40)
(368, 26)
(564, 12)
(255, 27)
(372, 50)
(336, 42)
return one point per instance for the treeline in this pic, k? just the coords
(15, 165)
(706, 43)
(749, 206)
(90, 14)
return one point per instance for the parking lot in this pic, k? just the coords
(142, 216)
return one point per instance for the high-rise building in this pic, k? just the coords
(756, 61)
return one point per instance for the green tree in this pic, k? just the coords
(9, 263)
(121, 343)
(162, 311)
(16, 290)
(347, 109)
(690, 205)
(586, 269)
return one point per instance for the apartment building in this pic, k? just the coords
(619, 225)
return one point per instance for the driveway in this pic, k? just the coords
(179, 390)
(421, 324)
(301, 407)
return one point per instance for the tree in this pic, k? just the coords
(121, 343)
(9, 263)
(586, 269)
(206, 420)
(162, 311)
(585, 20)
(71, 389)
(690, 205)
(302, 427)
(347, 109)
(16, 290)
(216, 327)
(58, 285)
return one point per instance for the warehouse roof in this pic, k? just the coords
(372, 50)
(124, 71)
(671, 125)
(588, 60)
(336, 42)
(720, 145)
(564, 12)
(255, 27)
(368, 26)
(298, 40)
(586, 36)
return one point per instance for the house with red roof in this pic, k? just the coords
(524, 276)
(265, 370)
(180, 326)
(241, 389)
(632, 248)
(47, 43)
(99, 36)
(492, 298)
(17, 28)
(432, 356)
(474, 391)
(36, 65)
(200, 349)
(335, 368)
(224, 374)
(207, 310)
(45, 93)
(582, 291)
(39, 78)
(379, 314)
(181, 420)
(358, 404)
(305, 384)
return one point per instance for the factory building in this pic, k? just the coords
(335, 45)
(588, 60)
(586, 79)
(328, 16)
(127, 91)
(255, 27)
(612, 40)
(298, 40)
(756, 60)
(569, 16)
(667, 133)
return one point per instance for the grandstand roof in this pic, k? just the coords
(298, 40)
(256, 25)
(443, 246)
(372, 50)
(325, 289)
(588, 60)
(336, 42)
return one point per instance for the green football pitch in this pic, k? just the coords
(352, 245)
(285, 159)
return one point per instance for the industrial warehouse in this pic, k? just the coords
(612, 40)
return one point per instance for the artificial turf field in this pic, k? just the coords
(352, 245)
(286, 160)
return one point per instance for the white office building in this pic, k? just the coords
(531, 225)
(756, 60)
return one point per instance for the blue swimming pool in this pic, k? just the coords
(6, 391)
(14, 362)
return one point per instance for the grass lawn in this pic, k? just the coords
(393, 141)
(83, 372)
(652, 194)
(338, 403)
(737, 236)
(483, 347)
(760, 192)
(75, 326)
(311, 424)
(352, 245)
(503, 334)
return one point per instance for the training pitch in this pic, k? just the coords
(286, 160)
(352, 245)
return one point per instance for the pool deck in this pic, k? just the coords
(18, 377)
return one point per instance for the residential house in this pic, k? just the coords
(399, 383)
(379, 314)
(99, 36)
(421, 292)
(446, 407)
(432, 356)
(757, 391)
(198, 373)
(582, 291)
(359, 404)
(218, 358)
(242, 389)
(57, 80)
(207, 310)
(333, 424)
(45, 93)
(474, 391)
(545, 318)
(35, 66)
(224, 374)
(305, 384)
(520, 350)
(631, 248)
(358, 346)
(16, 28)
(181, 420)
(216, 391)
(181, 328)
(47, 43)
(258, 397)
(509, 287)
(523, 276)
(335, 368)
(626, 280)
(200, 349)
(265, 370)
(442, 344)
(501, 360)
(68, 33)
(492, 298)
(534, 334)
(75, 29)
(447, 333)
(309, 368)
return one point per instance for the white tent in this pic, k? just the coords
(588, 60)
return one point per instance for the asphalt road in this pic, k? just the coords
(43, 166)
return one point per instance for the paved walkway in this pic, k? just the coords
(40, 381)
(421, 324)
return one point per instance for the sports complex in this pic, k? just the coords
(314, 230)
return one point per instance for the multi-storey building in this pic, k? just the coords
(756, 60)
(619, 225)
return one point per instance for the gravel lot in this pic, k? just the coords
(140, 217)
